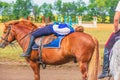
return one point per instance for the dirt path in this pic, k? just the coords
(24, 72)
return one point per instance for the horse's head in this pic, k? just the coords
(8, 35)
(14, 29)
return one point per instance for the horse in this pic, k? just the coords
(115, 61)
(77, 45)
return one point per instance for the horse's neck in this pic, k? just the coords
(23, 38)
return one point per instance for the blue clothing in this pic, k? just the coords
(62, 29)
(44, 31)
(57, 29)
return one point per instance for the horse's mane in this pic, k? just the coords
(23, 21)
(29, 24)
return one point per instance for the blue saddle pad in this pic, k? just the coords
(55, 43)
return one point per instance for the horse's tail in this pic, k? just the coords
(94, 63)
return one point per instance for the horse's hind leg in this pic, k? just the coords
(36, 68)
(83, 69)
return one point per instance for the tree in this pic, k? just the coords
(5, 11)
(36, 11)
(46, 10)
(22, 8)
(58, 6)
(81, 7)
(111, 6)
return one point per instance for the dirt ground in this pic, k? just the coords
(12, 71)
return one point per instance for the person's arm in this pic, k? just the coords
(116, 20)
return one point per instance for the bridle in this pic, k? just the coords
(8, 32)
(6, 35)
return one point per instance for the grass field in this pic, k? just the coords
(102, 33)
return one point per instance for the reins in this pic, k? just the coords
(8, 32)
(6, 35)
(28, 34)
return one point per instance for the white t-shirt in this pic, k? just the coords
(118, 7)
(61, 31)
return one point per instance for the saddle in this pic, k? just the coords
(48, 39)
(41, 41)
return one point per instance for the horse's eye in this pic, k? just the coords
(4, 32)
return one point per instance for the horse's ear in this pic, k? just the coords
(13, 22)
(5, 23)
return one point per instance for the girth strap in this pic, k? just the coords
(40, 54)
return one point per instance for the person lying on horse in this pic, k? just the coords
(59, 29)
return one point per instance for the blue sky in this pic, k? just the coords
(39, 2)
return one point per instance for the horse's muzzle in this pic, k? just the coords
(2, 45)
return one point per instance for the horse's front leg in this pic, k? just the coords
(36, 68)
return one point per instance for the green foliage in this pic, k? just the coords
(36, 12)
(58, 6)
(11, 54)
(46, 9)
(24, 8)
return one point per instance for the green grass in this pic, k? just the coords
(101, 33)
(11, 54)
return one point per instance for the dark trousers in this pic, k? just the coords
(47, 30)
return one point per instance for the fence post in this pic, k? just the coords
(65, 19)
(94, 21)
(59, 18)
(76, 20)
(80, 20)
(70, 20)
(43, 19)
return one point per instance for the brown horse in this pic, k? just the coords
(77, 45)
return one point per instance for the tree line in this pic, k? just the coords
(104, 10)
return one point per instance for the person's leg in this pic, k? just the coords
(38, 33)
(107, 49)
(113, 38)
(44, 31)
(29, 49)
(105, 68)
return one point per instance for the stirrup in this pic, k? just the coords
(25, 55)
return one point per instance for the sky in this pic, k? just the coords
(39, 2)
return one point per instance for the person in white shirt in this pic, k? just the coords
(108, 46)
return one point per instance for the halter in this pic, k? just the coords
(6, 35)
(8, 32)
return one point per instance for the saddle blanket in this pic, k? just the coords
(54, 44)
